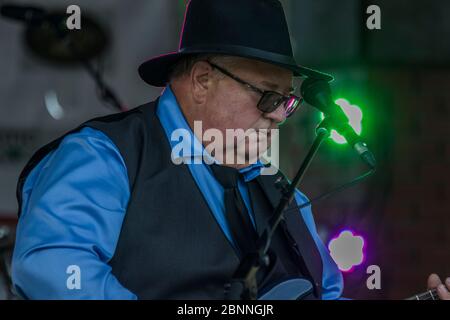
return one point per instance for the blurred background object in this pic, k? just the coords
(397, 77)
(6, 246)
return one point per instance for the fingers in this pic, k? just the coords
(444, 290)
(433, 281)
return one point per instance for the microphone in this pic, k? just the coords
(317, 93)
(28, 14)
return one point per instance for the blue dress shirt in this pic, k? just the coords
(74, 203)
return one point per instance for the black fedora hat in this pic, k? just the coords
(254, 29)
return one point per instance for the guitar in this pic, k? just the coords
(429, 295)
(297, 289)
(292, 289)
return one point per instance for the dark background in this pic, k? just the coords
(399, 76)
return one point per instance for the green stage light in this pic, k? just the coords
(354, 115)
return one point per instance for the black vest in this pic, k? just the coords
(170, 245)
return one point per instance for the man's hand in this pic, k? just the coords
(443, 290)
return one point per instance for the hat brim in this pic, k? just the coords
(156, 71)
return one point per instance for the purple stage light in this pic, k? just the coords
(347, 250)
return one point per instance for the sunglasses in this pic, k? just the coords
(270, 100)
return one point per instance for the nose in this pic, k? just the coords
(279, 115)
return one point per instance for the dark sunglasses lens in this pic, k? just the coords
(291, 106)
(270, 102)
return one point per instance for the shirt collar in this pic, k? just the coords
(172, 118)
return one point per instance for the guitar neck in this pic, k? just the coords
(429, 295)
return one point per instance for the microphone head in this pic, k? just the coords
(317, 93)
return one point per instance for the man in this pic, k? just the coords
(109, 211)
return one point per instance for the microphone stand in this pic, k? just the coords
(244, 282)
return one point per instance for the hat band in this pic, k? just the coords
(240, 51)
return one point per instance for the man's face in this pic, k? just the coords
(232, 105)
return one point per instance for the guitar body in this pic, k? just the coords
(292, 289)
(297, 289)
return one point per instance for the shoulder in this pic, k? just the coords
(86, 164)
(83, 154)
(127, 121)
(113, 141)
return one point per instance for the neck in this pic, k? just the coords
(429, 295)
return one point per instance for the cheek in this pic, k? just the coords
(243, 111)
(234, 110)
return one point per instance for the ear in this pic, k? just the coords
(201, 81)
